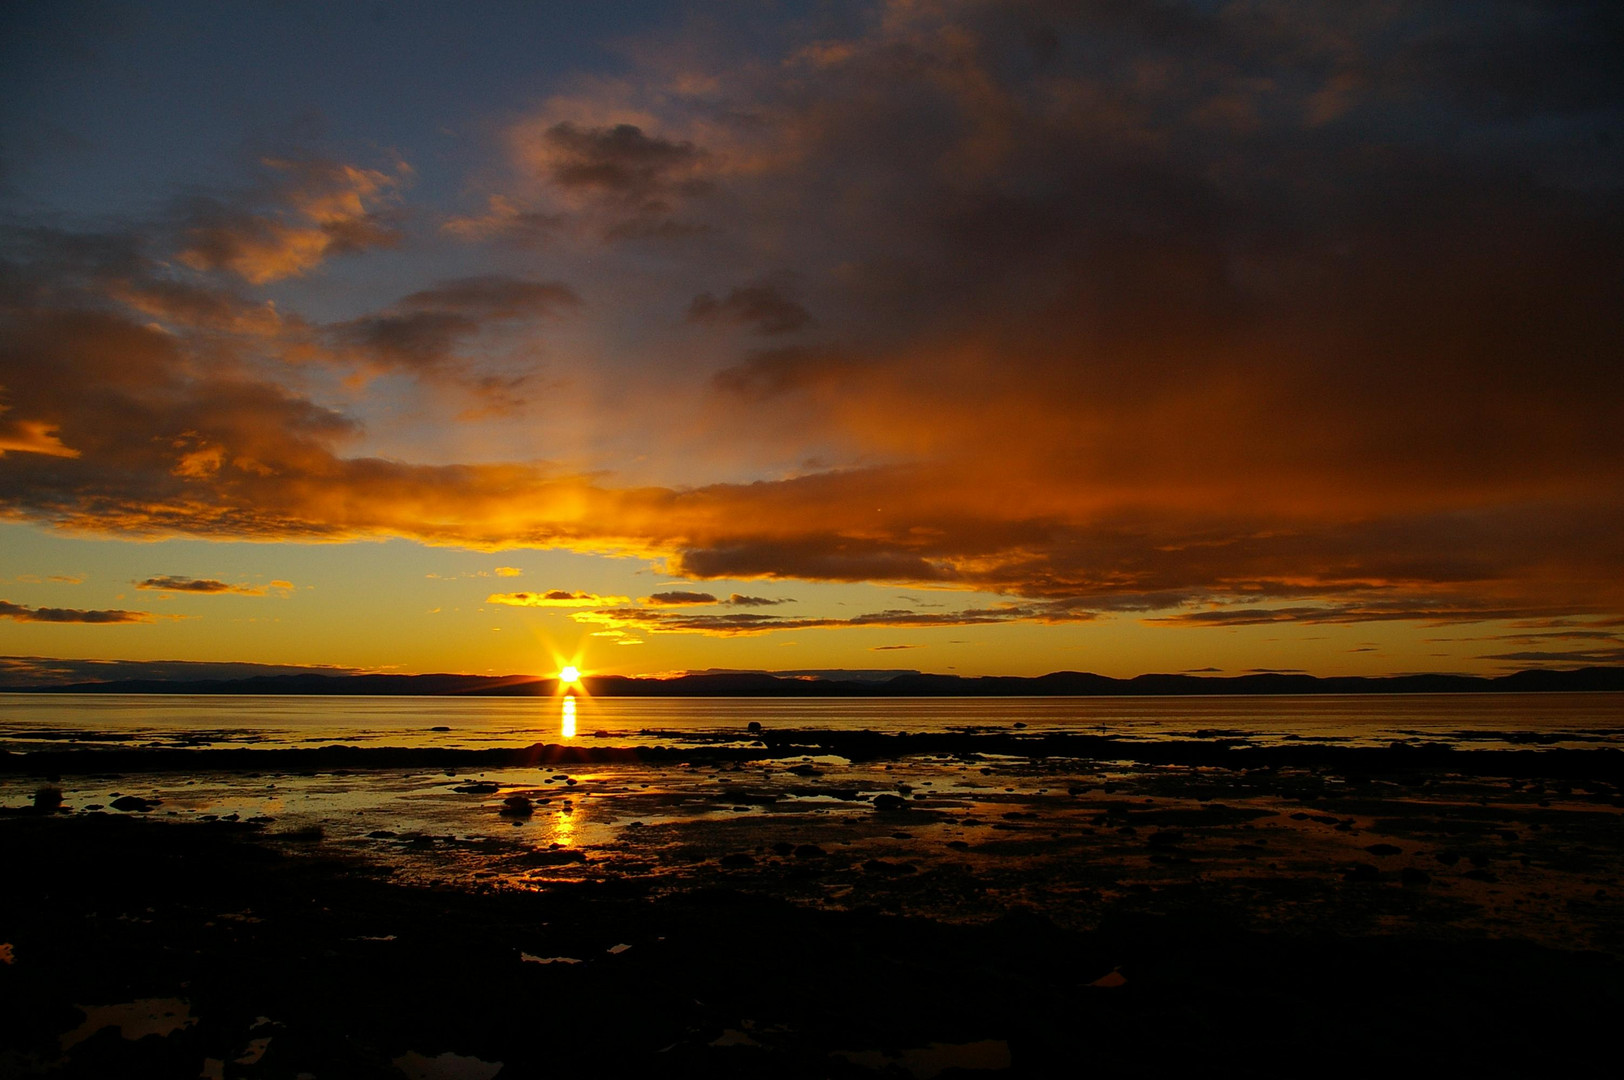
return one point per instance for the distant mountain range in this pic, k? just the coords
(906, 684)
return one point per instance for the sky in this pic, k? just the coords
(965, 337)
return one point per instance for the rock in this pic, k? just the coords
(890, 803)
(1448, 858)
(518, 806)
(1165, 838)
(805, 770)
(1414, 878)
(382, 834)
(1361, 872)
(959, 845)
(809, 851)
(1482, 875)
(478, 787)
(753, 727)
(737, 860)
(47, 799)
(439, 727)
(1384, 849)
(783, 848)
(134, 802)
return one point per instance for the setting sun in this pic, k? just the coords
(569, 674)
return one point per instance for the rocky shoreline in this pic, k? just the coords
(239, 954)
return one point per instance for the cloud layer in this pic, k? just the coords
(1221, 315)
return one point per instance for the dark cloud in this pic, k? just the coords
(671, 599)
(33, 671)
(732, 624)
(1575, 656)
(621, 161)
(423, 330)
(740, 600)
(762, 307)
(628, 184)
(24, 613)
(170, 583)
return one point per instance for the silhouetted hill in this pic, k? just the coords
(1055, 684)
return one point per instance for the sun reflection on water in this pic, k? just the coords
(568, 724)
(563, 828)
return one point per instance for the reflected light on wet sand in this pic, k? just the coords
(568, 722)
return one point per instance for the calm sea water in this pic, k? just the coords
(34, 721)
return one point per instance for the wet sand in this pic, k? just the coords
(818, 904)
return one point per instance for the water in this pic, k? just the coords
(32, 721)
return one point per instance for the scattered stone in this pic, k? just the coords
(1165, 838)
(1384, 849)
(1447, 857)
(48, 799)
(134, 802)
(809, 851)
(737, 860)
(890, 803)
(439, 727)
(783, 847)
(478, 787)
(1414, 878)
(517, 806)
(1482, 875)
(753, 727)
(1361, 872)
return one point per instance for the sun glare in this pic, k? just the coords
(570, 673)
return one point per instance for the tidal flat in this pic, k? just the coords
(815, 903)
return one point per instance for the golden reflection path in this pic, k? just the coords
(567, 723)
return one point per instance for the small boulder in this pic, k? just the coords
(889, 803)
(517, 806)
(134, 802)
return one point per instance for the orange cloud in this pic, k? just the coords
(317, 209)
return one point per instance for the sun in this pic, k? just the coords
(570, 673)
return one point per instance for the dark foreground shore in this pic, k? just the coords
(141, 947)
